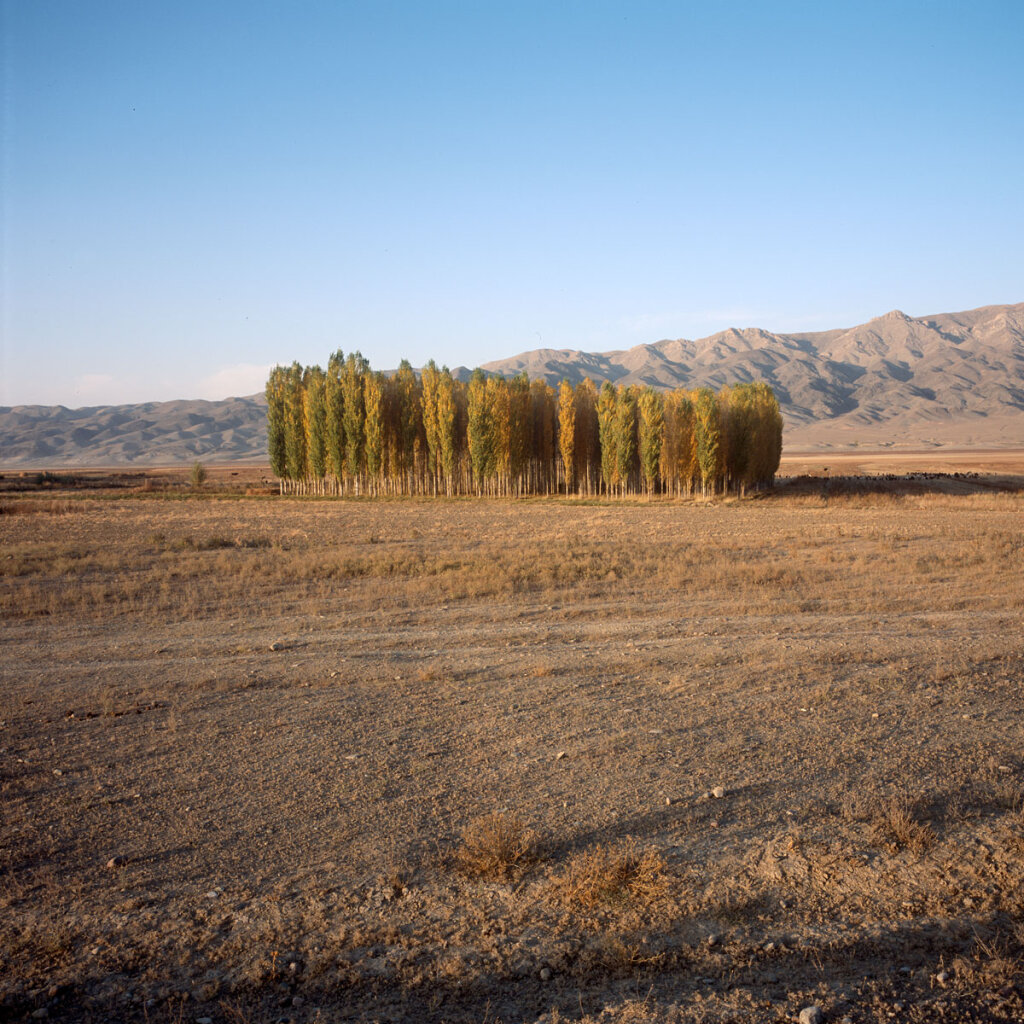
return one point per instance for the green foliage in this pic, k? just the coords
(651, 410)
(708, 432)
(276, 421)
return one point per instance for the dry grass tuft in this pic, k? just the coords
(27, 508)
(896, 824)
(614, 876)
(497, 847)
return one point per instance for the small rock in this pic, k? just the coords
(117, 861)
(713, 940)
(57, 772)
(811, 1015)
(204, 1020)
(942, 977)
(297, 1001)
(560, 755)
(718, 792)
(668, 801)
(545, 974)
(275, 646)
(212, 894)
(905, 969)
(41, 1014)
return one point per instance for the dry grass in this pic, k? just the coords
(496, 846)
(897, 823)
(296, 704)
(614, 876)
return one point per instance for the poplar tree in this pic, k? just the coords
(334, 419)
(651, 427)
(430, 382)
(707, 430)
(448, 421)
(500, 442)
(373, 428)
(606, 421)
(276, 392)
(626, 455)
(296, 455)
(588, 442)
(520, 430)
(348, 426)
(544, 418)
(408, 419)
(567, 432)
(354, 414)
(315, 412)
(480, 431)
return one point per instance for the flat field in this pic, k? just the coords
(478, 761)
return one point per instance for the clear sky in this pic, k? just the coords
(193, 191)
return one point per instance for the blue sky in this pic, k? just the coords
(195, 191)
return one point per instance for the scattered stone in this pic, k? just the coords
(117, 861)
(545, 974)
(718, 792)
(811, 1015)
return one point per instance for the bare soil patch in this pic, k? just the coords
(470, 761)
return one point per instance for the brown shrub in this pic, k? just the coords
(896, 824)
(608, 875)
(496, 846)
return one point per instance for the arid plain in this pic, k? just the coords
(272, 759)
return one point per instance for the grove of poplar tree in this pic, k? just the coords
(350, 430)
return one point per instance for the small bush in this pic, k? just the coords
(198, 476)
(896, 824)
(497, 847)
(611, 876)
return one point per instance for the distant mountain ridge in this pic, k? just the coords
(950, 378)
(894, 367)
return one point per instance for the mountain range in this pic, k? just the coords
(953, 379)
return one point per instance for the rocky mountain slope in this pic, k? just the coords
(152, 434)
(949, 379)
(954, 375)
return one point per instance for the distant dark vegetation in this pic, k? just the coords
(349, 430)
(898, 485)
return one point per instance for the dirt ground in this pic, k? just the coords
(271, 759)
